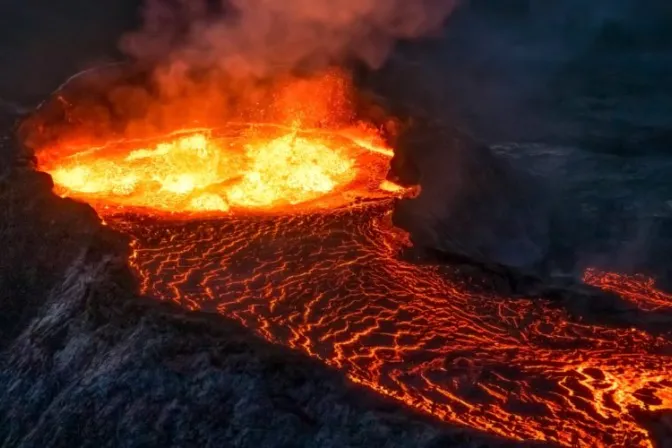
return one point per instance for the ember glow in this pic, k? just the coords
(285, 227)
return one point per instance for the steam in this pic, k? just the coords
(259, 38)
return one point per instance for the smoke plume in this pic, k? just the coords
(259, 38)
(206, 63)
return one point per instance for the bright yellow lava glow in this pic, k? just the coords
(199, 172)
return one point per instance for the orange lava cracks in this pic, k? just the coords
(285, 227)
(333, 286)
(319, 271)
(243, 167)
(638, 289)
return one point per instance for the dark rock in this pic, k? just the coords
(471, 203)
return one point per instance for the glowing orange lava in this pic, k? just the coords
(255, 167)
(638, 289)
(333, 286)
(322, 274)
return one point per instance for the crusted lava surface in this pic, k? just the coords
(462, 341)
(87, 361)
(491, 350)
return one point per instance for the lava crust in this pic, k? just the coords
(287, 229)
(328, 280)
(332, 285)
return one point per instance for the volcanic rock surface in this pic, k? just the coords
(86, 362)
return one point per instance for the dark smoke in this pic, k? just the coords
(514, 70)
(567, 88)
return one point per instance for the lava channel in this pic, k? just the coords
(289, 233)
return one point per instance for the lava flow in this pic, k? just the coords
(638, 289)
(287, 230)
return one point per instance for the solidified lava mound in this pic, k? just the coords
(303, 253)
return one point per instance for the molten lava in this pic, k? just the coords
(302, 251)
(637, 289)
(258, 167)
(333, 286)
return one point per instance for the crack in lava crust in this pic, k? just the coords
(322, 274)
(333, 286)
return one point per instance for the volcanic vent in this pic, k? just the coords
(253, 181)
(280, 218)
(240, 167)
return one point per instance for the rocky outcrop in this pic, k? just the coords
(471, 202)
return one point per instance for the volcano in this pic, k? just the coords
(286, 226)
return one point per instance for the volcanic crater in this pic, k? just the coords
(288, 227)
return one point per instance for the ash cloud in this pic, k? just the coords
(259, 38)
